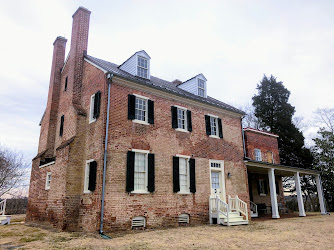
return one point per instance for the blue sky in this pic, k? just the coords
(233, 43)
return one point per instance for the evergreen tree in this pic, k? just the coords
(275, 116)
(323, 152)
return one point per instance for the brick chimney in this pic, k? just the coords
(51, 111)
(79, 42)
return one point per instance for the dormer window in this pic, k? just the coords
(201, 88)
(142, 67)
(196, 85)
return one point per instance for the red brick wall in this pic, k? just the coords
(263, 142)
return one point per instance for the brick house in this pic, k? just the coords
(121, 148)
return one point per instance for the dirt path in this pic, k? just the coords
(311, 232)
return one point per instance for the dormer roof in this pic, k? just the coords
(196, 76)
(138, 64)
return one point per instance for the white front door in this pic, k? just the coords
(217, 180)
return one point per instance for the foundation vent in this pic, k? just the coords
(184, 218)
(138, 221)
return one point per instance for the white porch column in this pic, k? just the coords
(299, 195)
(320, 194)
(273, 196)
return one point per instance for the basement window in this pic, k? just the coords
(139, 221)
(184, 218)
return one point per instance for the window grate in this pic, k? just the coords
(184, 218)
(138, 221)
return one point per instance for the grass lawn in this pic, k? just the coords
(311, 232)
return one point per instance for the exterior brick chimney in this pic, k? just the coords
(51, 111)
(79, 42)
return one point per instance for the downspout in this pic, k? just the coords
(243, 138)
(109, 79)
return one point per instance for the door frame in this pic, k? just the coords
(222, 177)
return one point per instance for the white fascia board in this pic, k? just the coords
(260, 132)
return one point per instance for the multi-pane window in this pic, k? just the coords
(215, 180)
(142, 67)
(48, 181)
(258, 156)
(215, 165)
(270, 157)
(181, 118)
(141, 109)
(201, 88)
(183, 172)
(213, 126)
(140, 172)
(262, 189)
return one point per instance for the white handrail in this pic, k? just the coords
(242, 207)
(253, 207)
(3, 206)
(218, 206)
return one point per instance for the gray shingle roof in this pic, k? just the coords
(158, 83)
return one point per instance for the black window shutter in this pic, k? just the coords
(61, 130)
(151, 175)
(220, 127)
(97, 104)
(192, 175)
(130, 171)
(190, 126)
(265, 187)
(66, 83)
(174, 117)
(131, 107)
(277, 187)
(258, 187)
(207, 125)
(92, 175)
(176, 176)
(150, 112)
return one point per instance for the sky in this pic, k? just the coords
(233, 43)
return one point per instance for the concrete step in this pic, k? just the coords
(4, 219)
(239, 218)
(235, 223)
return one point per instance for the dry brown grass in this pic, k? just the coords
(311, 232)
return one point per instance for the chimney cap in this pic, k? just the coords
(81, 9)
(60, 38)
(177, 82)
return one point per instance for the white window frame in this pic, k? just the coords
(185, 129)
(184, 157)
(256, 150)
(147, 69)
(145, 152)
(146, 112)
(86, 180)
(91, 110)
(222, 176)
(200, 88)
(262, 189)
(47, 181)
(217, 127)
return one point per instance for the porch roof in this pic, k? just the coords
(262, 168)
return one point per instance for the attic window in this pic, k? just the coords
(201, 88)
(142, 67)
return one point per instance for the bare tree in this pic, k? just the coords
(12, 170)
(324, 118)
(250, 120)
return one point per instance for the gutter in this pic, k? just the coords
(109, 79)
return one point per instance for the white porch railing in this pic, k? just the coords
(238, 205)
(3, 207)
(218, 207)
(253, 207)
